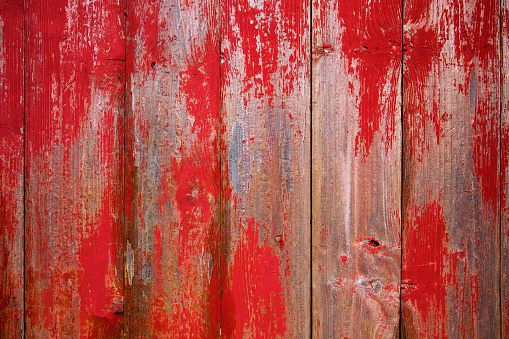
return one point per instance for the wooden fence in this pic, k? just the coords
(254, 168)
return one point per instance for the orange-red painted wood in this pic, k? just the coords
(356, 168)
(11, 169)
(173, 180)
(451, 252)
(265, 152)
(74, 141)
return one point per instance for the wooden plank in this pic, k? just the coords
(11, 169)
(74, 118)
(356, 168)
(504, 167)
(172, 188)
(451, 252)
(265, 168)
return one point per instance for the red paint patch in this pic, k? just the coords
(424, 266)
(429, 267)
(101, 299)
(253, 303)
(11, 169)
(372, 44)
(422, 48)
(344, 258)
(197, 180)
(259, 32)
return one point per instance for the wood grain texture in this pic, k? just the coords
(356, 168)
(265, 137)
(11, 169)
(172, 156)
(504, 166)
(451, 191)
(74, 84)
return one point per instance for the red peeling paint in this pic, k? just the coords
(11, 169)
(424, 268)
(422, 48)
(253, 303)
(75, 84)
(145, 49)
(258, 33)
(344, 258)
(476, 45)
(101, 298)
(196, 177)
(372, 44)
(430, 268)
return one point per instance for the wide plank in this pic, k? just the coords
(356, 168)
(265, 163)
(173, 169)
(451, 252)
(11, 170)
(74, 140)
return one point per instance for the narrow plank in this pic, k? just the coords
(451, 188)
(356, 168)
(74, 118)
(11, 169)
(504, 166)
(265, 137)
(172, 159)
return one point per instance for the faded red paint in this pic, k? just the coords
(372, 44)
(11, 169)
(253, 303)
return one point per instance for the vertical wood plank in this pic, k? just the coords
(172, 159)
(75, 54)
(11, 169)
(451, 162)
(265, 135)
(356, 168)
(504, 168)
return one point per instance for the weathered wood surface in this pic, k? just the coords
(172, 156)
(450, 275)
(504, 167)
(74, 142)
(265, 153)
(356, 168)
(166, 188)
(11, 169)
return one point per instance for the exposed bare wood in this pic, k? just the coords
(356, 168)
